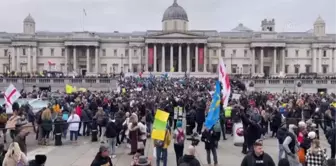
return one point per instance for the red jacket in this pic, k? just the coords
(79, 111)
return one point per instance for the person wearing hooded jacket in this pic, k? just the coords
(291, 146)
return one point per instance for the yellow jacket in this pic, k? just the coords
(167, 140)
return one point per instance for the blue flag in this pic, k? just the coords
(213, 114)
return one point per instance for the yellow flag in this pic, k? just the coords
(161, 115)
(123, 90)
(82, 89)
(172, 69)
(68, 89)
(158, 134)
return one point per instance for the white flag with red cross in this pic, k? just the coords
(11, 95)
(224, 78)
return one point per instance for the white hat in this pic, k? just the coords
(302, 124)
(312, 135)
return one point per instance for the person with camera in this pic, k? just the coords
(189, 158)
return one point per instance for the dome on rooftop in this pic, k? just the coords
(29, 18)
(175, 12)
(319, 20)
(241, 28)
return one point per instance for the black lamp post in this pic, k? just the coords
(9, 61)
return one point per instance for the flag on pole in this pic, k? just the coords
(11, 95)
(214, 111)
(50, 62)
(84, 11)
(224, 78)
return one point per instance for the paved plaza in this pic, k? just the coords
(83, 153)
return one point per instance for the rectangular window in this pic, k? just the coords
(223, 53)
(63, 51)
(286, 53)
(234, 69)
(234, 52)
(307, 69)
(6, 52)
(115, 52)
(297, 69)
(104, 52)
(134, 54)
(296, 53)
(23, 51)
(286, 68)
(325, 69)
(214, 52)
(51, 52)
(245, 53)
(308, 53)
(126, 53)
(324, 53)
(41, 51)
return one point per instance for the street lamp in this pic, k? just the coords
(9, 62)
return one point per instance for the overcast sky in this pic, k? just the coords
(142, 15)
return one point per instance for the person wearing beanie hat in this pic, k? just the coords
(179, 137)
(102, 157)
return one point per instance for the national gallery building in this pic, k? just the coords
(174, 49)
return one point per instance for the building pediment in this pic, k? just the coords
(176, 35)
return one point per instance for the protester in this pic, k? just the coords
(209, 138)
(111, 135)
(161, 148)
(189, 158)
(315, 156)
(102, 158)
(46, 126)
(179, 138)
(102, 120)
(73, 121)
(39, 160)
(291, 146)
(14, 156)
(258, 157)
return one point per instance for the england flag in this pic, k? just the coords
(11, 95)
(224, 78)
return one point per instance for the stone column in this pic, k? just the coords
(163, 68)
(314, 53)
(283, 61)
(329, 53)
(154, 68)
(28, 60)
(261, 60)
(130, 54)
(35, 51)
(171, 57)
(180, 58)
(74, 59)
(146, 52)
(13, 67)
(274, 60)
(218, 52)
(188, 58)
(253, 61)
(18, 59)
(196, 58)
(334, 55)
(87, 59)
(205, 58)
(97, 60)
(319, 66)
(66, 59)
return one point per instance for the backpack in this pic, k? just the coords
(3, 118)
(217, 127)
(180, 137)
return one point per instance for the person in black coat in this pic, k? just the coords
(200, 117)
(210, 141)
(275, 122)
(58, 130)
(39, 160)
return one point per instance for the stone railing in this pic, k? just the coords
(292, 81)
(58, 80)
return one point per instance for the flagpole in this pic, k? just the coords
(83, 15)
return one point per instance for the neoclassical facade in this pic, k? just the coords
(175, 48)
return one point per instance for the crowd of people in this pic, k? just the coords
(126, 116)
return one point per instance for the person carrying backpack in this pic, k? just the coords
(179, 137)
(161, 148)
